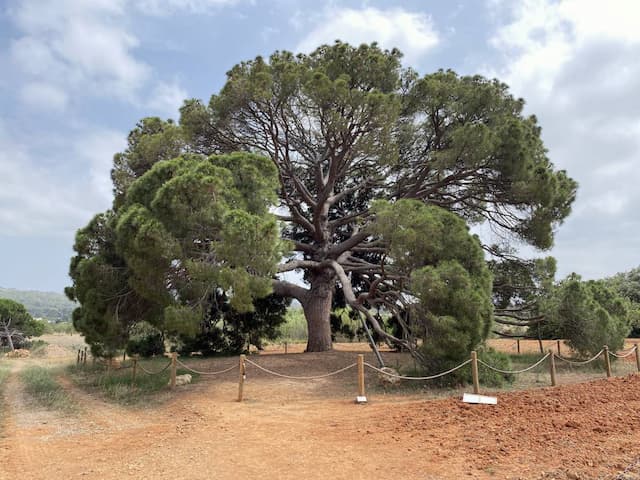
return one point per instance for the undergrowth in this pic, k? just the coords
(117, 385)
(40, 384)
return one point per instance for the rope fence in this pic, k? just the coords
(290, 377)
(220, 372)
(515, 372)
(148, 372)
(431, 377)
(385, 372)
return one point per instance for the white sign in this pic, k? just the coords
(471, 398)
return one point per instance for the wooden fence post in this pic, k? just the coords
(134, 371)
(607, 361)
(474, 372)
(518, 344)
(286, 348)
(558, 344)
(84, 357)
(174, 366)
(241, 377)
(78, 358)
(637, 358)
(361, 392)
(552, 367)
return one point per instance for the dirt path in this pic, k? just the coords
(587, 431)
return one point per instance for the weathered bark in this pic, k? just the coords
(7, 334)
(317, 309)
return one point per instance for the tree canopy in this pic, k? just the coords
(16, 324)
(589, 314)
(373, 173)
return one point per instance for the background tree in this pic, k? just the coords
(588, 314)
(627, 284)
(354, 139)
(16, 324)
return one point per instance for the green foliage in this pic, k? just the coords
(145, 340)
(294, 328)
(15, 316)
(588, 314)
(627, 284)
(117, 385)
(191, 223)
(225, 331)
(50, 306)
(488, 377)
(448, 278)
(40, 384)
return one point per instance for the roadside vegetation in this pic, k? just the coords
(117, 385)
(40, 384)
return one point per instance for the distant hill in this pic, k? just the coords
(49, 305)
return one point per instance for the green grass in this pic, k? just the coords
(40, 384)
(295, 327)
(117, 385)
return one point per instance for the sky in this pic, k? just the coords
(76, 76)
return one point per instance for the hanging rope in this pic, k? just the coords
(232, 367)
(625, 355)
(431, 377)
(148, 372)
(509, 372)
(572, 362)
(299, 378)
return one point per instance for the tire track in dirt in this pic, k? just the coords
(21, 424)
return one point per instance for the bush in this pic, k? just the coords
(146, 341)
(463, 376)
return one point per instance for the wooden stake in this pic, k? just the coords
(637, 358)
(285, 347)
(552, 367)
(518, 343)
(134, 371)
(361, 391)
(78, 358)
(174, 366)
(558, 343)
(84, 357)
(474, 372)
(607, 361)
(241, 377)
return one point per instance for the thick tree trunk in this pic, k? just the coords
(317, 308)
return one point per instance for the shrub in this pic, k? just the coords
(145, 340)
(463, 376)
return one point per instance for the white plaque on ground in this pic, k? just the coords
(472, 398)
(360, 399)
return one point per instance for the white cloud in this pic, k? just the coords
(78, 45)
(167, 98)
(413, 33)
(167, 7)
(37, 199)
(44, 96)
(575, 63)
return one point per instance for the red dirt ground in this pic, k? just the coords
(293, 430)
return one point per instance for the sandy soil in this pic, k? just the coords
(287, 429)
